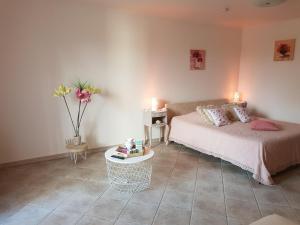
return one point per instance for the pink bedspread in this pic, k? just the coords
(264, 153)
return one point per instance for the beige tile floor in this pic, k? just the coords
(188, 188)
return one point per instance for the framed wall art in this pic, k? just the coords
(197, 59)
(284, 50)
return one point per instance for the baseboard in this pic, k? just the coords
(57, 156)
(51, 157)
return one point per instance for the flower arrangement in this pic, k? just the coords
(284, 49)
(83, 93)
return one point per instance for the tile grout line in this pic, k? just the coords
(45, 217)
(155, 216)
(122, 210)
(163, 184)
(49, 214)
(79, 219)
(17, 211)
(252, 189)
(89, 207)
(285, 197)
(224, 198)
(51, 211)
(30, 204)
(194, 194)
(128, 200)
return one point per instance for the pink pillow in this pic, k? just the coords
(263, 125)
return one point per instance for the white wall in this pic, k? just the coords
(271, 88)
(132, 58)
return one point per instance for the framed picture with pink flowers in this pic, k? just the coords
(197, 59)
(284, 50)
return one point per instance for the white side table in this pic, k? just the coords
(129, 175)
(150, 118)
(74, 150)
(241, 103)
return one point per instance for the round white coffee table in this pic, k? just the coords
(129, 175)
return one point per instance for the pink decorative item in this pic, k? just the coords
(264, 125)
(83, 95)
(197, 59)
(83, 92)
(284, 50)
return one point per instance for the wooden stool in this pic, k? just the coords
(74, 150)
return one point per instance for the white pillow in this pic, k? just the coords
(242, 114)
(205, 116)
(219, 116)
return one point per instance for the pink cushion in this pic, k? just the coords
(263, 125)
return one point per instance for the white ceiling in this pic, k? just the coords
(241, 12)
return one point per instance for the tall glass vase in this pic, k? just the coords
(77, 140)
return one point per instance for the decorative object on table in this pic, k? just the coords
(150, 121)
(131, 149)
(83, 93)
(236, 97)
(75, 150)
(165, 107)
(197, 59)
(130, 175)
(130, 143)
(139, 144)
(284, 50)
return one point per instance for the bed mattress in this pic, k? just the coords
(263, 153)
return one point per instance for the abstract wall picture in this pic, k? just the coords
(197, 59)
(284, 50)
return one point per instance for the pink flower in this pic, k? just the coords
(83, 95)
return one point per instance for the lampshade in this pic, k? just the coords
(154, 104)
(236, 96)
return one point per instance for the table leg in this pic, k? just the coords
(166, 134)
(75, 157)
(150, 136)
(145, 134)
(160, 133)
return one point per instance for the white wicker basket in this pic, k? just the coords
(129, 175)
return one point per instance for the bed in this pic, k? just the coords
(263, 153)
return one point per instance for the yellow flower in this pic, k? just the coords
(92, 90)
(62, 91)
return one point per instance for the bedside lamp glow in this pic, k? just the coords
(236, 96)
(154, 104)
